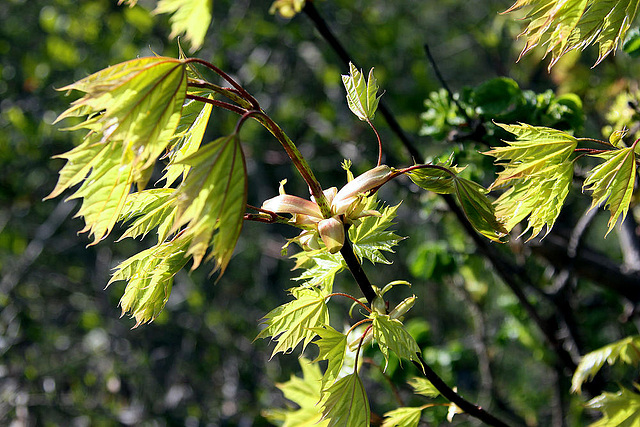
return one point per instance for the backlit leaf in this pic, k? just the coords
(371, 236)
(626, 351)
(621, 409)
(149, 276)
(361, 96)
(613, 182)
(424, 387)
(287, 8)
(539, 169)
(391, 335)
(402, 417)
(188, 17)
(478, 209)
(332, 346)
(564, 25)
(212, 200)
(345, 403)
(320, 268)
(150, 208)
(291, 323)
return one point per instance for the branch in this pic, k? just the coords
(356, 268)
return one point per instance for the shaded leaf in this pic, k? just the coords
(149, 276)
(424, 387)
(361, 96)
(626, 351)
(478, 209)
(613, 182)
(212, 200)
(188, 17)
(332, 347)
(345, 403)
(291, 323)
(402, 417)
(621, 409)
(391, 335)
(433, 179)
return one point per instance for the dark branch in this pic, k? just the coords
(356, 268)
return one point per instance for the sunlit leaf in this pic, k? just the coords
(424, 387)
(212, 200)
(287, 8)
(402, 417)
(432, 179)
(150, 208)
(478, 209)
(372, 235)
(613, 182)
(188, 17)
(189, 133)
(391, 335)
(149, 276)
(306, 393)
(332, 346)
(345, 403)
(621, 409)
(291, 323)
(320, 268)
(361, 96)
(626, 351)
(539, 169)
(563, 25)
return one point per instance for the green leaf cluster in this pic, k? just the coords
(563, 26)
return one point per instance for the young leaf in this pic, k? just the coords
(391, 335)
(150, 208)
(613, 181)
(149, 276)
(137, 103)
(212, 200)
(291, 323)
(433, 179)
(402, 417)
(618, 409)
(188, 17)
(567, 25)
(332, 347)
(478, 209)
(361, 96)
(371, 237)
(189, 133)
(320, 268)
(626, 351)
(345, 403)
(287, 8)
(306, 393)
(538, 166)
(424, 387)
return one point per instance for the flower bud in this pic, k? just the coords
(363, 183)
(403, 307)
(331, 232)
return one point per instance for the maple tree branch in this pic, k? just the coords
(355, 267)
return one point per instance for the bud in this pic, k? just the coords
(331, 232)
(285, 203)
(363, 183)
(403, 307)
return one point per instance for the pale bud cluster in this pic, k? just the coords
(347, 205)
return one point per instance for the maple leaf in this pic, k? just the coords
(188, 17)
(402, 417)
(292, 322)
(391, 335)
(371, 236)
(613, 182)
(361, 96)
(618, 409)
(423, 387)
(345, 403)
(332, 346)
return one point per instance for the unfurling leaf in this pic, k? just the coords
(618, 409)
(361, 96)
(626, 351)
(188, 17)
(567, 25)
(345, 403)
(391, 335)
(306, 393)
(402, 417)
(291, 323)
(132, 111)
(149, 276)
(212, 200)
(539, 169)
(613, 181)
(423, 387)
(332, 346)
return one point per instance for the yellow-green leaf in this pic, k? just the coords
(345, 403)
(361, 96)
(212, 200)
(150, 208)
(621, 409)
(391, 335)
(149, 276)
(188, 17)
(626, 351)
(402, 417)
(424, 387)
(292, 322)
(287, 8)
(613, 182)
(478, 209)
(332, 346)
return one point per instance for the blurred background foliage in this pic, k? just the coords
(66, 358)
